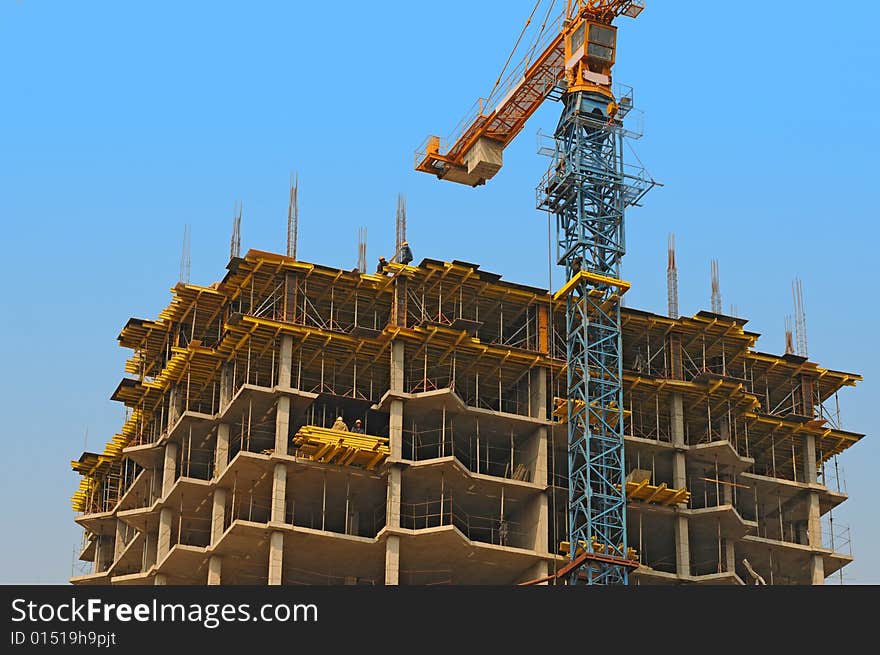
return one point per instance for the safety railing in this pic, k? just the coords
(483, 457)
(836, 536)
(443, 511)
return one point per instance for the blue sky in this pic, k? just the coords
(121, 122)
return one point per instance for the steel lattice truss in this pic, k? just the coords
(588, 191)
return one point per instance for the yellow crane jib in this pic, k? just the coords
(577, 52)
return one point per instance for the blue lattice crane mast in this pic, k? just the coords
(587, 188)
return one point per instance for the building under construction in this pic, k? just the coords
(232, 467)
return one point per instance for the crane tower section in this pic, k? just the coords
(588, 188)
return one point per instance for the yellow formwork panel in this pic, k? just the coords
(658, 494)
(565, 548)
(341, 448)
(561, 414)
(595, 278)
(80, 499)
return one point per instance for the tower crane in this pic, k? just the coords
(587, 187)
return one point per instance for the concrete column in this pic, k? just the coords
(276, 557)
(729, 556)
(536, 572)
(175, 405)
(542, 519)
(163, 542)
(169, 465)
(542, 474)
(538, 407)
(534, 519)
(538, 393)
(817, 571)
(814, 520)
(150, 543)
(221, 453)
(395, 491)
(285, 361)
(679, 481)
(392, 560)
(160, 580)
(682, 546)
(218, 515)
(814, 524)
(397, 355)
(215, 565)
(225, 385)
(676, 412)
(395, 484)
(535, 516)
(119, 542)
(282, 425)
(725, 429)
(728, 544)
(814, 528)
(279, 494)
(679, 470)
(100, 547)
(395, 429)
(810, 471)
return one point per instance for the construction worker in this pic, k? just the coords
(358, 427)
(339, 425)
(380, 269)
(405, 255)
(576, 265)
(503, 532)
